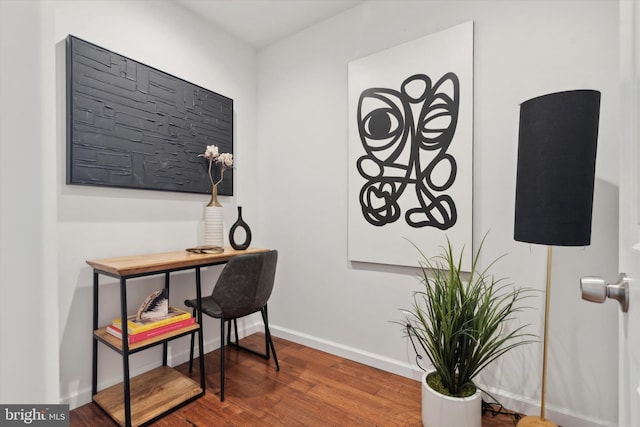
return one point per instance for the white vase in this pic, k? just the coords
(213, 225)
(439, 410)
(214, 221)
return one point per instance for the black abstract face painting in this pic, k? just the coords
(410, 148)
(406, 134)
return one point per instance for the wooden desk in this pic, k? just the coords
(161, 390)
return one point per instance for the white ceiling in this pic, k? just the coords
(262, 22)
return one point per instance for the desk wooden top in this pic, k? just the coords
(141, 264)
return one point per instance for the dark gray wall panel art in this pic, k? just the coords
(130, 125)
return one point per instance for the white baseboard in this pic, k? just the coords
(560, 416)
(357, 355)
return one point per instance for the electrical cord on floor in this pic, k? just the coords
(497, 409)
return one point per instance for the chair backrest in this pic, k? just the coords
(245, 284)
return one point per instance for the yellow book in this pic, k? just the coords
(135, 326)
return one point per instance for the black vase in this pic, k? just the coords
(240, 224)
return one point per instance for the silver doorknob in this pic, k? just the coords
(595, 289)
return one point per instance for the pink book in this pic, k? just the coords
(151, 333)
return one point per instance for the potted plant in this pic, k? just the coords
(458, 320)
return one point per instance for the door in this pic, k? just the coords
(629, 231)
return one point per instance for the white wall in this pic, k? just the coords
(99, 222)
(28, 287)
(522, 49)
(88, 222)
(291, 150)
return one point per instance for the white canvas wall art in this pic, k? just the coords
(411, 149)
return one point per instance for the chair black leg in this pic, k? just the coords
(222, 360)
(269, 347)
(228, 332)
(265, 320)
(269, 340)
(235, 330)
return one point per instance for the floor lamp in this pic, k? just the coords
(554, 186)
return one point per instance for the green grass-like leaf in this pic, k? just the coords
(459, 324)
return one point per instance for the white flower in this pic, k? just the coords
(211, 152)
(226, 159)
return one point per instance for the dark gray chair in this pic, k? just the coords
(243, 288)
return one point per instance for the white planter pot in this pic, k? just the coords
(439, 410)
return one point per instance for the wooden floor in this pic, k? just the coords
(312, 388)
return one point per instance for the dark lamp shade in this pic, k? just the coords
(556, 168)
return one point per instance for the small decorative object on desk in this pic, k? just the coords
(213, 213)
(232, 233)
(155, 305)
(207, 249)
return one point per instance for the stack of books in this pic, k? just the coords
(144, 329)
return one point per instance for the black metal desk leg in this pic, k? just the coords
(200, 339)
(165, 344)
(94, 360)
(125, 351)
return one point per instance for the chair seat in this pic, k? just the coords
(209, 306)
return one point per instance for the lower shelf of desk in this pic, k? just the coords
(116, 343)
(153, 393)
